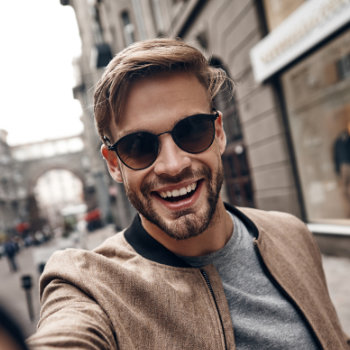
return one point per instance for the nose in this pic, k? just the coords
(171, 159)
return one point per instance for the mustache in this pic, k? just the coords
(186, 174)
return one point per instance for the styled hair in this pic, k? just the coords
(145, 59)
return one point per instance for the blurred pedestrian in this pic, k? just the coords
(10, 252)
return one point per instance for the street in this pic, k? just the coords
(13, 297)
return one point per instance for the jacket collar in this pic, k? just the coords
(151, 249)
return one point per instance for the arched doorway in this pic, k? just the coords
(55, 191)
(239, 190)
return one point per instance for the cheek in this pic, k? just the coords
(217, 162)
(220, 145)
(217, 151)
(132, 180)
(210, 159)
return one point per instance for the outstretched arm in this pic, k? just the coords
(70, 316)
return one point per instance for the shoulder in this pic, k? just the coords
(285, 240)
(79, 267)
(282, 229)
(114, 247)
(274, 220)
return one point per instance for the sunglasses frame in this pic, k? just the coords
(212, 117)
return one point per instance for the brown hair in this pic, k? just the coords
(145, 59)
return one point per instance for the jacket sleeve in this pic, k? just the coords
(320, 263)
(70, 318)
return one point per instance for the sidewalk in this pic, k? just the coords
(337, 270)
(13, 297)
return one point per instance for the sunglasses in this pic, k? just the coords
(139, 150)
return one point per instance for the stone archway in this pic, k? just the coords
(55, 191)
(31, 170)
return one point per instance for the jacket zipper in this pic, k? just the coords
(267, 271)
(207, 281)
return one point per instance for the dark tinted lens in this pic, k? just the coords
(139, 150)
(195, 134)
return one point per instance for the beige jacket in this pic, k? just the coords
(132, 293)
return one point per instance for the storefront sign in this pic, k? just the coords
(303, 29)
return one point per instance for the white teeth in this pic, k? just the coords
(183, 191)
(180, 192)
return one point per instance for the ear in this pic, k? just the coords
(113, 165)
(220, 133)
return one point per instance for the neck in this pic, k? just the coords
(212, 239)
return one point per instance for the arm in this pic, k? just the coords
(318, 261)
(70, 318)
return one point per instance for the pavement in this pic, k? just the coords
(14, 298)
(337, 271)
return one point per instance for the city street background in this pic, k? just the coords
(13, 297)
(283, 125)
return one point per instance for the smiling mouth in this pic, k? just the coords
(178, 194)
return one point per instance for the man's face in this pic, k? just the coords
(178, 193)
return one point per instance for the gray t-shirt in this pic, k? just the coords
(262, 317)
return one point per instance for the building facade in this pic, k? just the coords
(43, 182)
(12, 196)
(281, 124)
(305, 56)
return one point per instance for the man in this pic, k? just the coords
(190, 272)
(10, 252)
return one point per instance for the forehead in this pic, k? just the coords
(156, 103)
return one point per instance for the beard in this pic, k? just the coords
(187, 223)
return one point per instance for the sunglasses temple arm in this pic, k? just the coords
(107, 142)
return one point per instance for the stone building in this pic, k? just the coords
(305, 58)
(289, 106)
(21, 168)
(11, 197)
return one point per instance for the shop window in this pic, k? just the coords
(158, 17)
(128, 28)
(317, 94)
(343, 67)
(97, 23)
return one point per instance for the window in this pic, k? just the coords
(317, 98)
(158, 17)
(128, 28)
(238, 182)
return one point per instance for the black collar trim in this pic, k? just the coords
(151, 249)
(148, 247)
